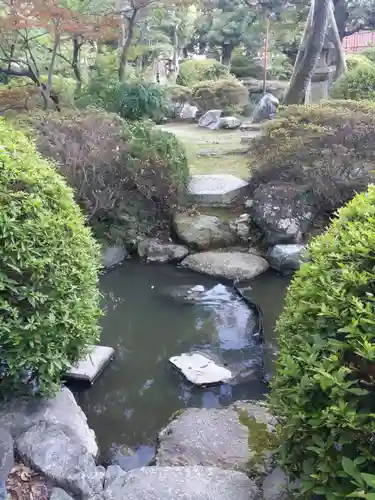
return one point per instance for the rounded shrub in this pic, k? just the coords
(178, 93)
(357, 61)
(226, 94)
(326, 151)
(127, 177)
(194, 71)
(369, 53)
(323, 390)
(49, 270)
(356, 84)
(245, 67)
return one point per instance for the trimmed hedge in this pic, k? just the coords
(195, 71)
(323, 390)
(127, 177)
(244, 67)
(326, 150)
(226, 94)
(356, 84)
(357, 61)
(49, 269)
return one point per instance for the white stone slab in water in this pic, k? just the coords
(220, 189)
(90, 367)
(199, 369)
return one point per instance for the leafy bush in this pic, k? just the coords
(323, 388)
(357, 61)
(356, 84)
(127, 178)
(194, 71)
(244, 66)
(49, 298)
(369, 53)
(178, 93)
(327, 151)
(134, 100)
(220, 94)
(20, 98)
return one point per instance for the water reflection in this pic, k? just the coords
(151, 315)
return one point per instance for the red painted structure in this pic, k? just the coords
(359, 41)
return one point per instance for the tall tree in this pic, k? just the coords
(309, 52)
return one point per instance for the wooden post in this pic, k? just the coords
(266, 43)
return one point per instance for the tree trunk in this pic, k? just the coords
(77, 44)
(336, 40)
(226, 54)
(126, 46)
(309, 52)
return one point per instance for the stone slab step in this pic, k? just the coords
(216, 189)
(90, 367)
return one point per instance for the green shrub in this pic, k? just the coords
(323, 388)
(357, 61)
(135, 100)
(327, 151)
(49, 297)
(195, 71)
(369, 53)
(244, 66)
(356, 84)
(226, 94)
(178, 93)
(127, 178)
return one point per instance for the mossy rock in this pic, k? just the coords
(241, 437)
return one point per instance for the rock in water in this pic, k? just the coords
(203, 231)
(228, 265)
(266, 109)
(237, 437)
(286, 258)
(210, 119)
(182, 483)
(113, 256)
(154, 250)
(199, 369)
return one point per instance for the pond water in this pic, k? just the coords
(150, 315)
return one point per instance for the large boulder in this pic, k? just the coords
(202, 232)
(286, 258)
(266, 108)
(275, 485)
(182, 483)
(229, 265)
(53, 450)
(6, 459)
(239, 437)
(113, 255)
(153, 250)
(210, 119)
(19, 414)
(283, 213)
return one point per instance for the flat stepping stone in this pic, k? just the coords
(90, 367)
(200, 370)
(182, 483)
(216, 189)
(228, 265)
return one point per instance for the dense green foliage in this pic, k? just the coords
(226, 94)
(49, 297)
(356, 61)
(134, 100)
(356, 84)
(369, 53)
(195, 71)
(324, 385)
(328, 151)
(127, 178)
(243, 66)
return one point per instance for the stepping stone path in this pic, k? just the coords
(90, 367)
(216, 189)
(199, 369)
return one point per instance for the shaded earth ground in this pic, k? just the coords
(213, 151)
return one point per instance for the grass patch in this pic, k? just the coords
(228, 157)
